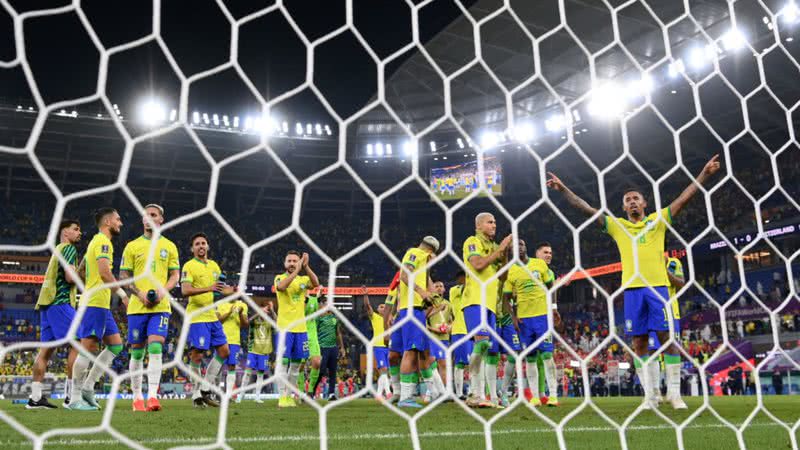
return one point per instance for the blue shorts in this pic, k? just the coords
(531, 329)
(381, 355)
(296, 345)
(55, 321)
(409, 336)
(653, 343)
(461, 352)
(98, 323)
(644, 310)
(140, 326)
(472, 317)
(233, 355)
(204, 335)
(509, 335)
(259, 363)
(438, 352)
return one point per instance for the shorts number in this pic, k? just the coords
(305, 346)
(164, 322)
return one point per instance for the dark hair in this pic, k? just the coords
(198, 235)
(101, 213)
(461, 273)
(294, 252)
(66, 223)
(543, 244)
(634, 189)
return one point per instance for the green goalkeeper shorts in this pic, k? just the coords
(313, 347)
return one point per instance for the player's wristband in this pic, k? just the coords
(121, 293)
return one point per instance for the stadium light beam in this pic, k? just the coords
(489, 139)
(607, 101)
(790, 12)
(369, 150)
(298, 128)
(152, 112)
(697, 57)
(733, 40)
(388, 149)
(555, 123)
(379, 149)
(523, 132)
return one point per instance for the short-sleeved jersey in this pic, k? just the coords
(416, 260)
(675, 267)
(459, 326)
(326, 330)
(480, 246)
(441, 317)
(232, 325)
(312, 305)
(99, 248)
(391, 297)
(531, 293)
(292, 303)
(56, 290)
(260, 341)
(650, 246)
(201, 275)
(134, 260)
(376, 320)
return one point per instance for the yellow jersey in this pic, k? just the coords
(292, 303)
(459, 326)
(201, 275)
(134, 260)
(531, 293)
(99, 248)
(416, 260)
(377, 329)
(391, 297)
(675, 267)
(649, 235)
(480, 246)
(232, 326)
(444, 317)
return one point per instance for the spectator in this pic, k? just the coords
(777, 382)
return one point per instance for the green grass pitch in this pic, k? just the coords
(366, 424)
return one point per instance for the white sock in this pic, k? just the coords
(280, 373)
(67, 387)
(230, 381)
(550, 377)
(654, 370)
(294, 372)
(475, 376)
(491, 376)
(211, 372)
(406, 391)
(458, 381)
(135, 367)
(673, 380)
(80, 369)
(196, 377)
(36, 391)
(438, 382)
(383, 384)
(245, 382)
(153, 374)
(395, 383)
(532, 374)
(259, 384)
(508, 375)
(105, 358)
(644, 379)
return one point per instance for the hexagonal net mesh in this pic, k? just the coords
(631, 68)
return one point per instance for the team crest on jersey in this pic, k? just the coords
(215, 275)
(537, 275)
(471, 247)
(629, 325)
(163, 253)
(135, 334)
(202, 341)
(104, 249)
(302, 285)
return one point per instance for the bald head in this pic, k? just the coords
(485, 223)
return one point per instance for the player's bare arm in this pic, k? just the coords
(677, 281)
(481, 262)
(423, 292)
(711, 167)
(309, 272)
(572, 198)
(367, 306)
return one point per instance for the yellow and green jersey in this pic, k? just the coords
(415, 260)
(459, 326)
(292, 303)
(649, 235)
(444, 317)
(134, 260)
(201, 275)
(56, 290)
(675, 267)
(260, 341)
(479, 245)
(99, 248)
(531, 293)
(376, 320)
(232, 325)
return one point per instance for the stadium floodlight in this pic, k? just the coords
(298, 128)
(407, 148)
(369, 150)
(790, 12)
(676, 68)
(489, 139)
(328, 130)
(433, 146)
(699, 57)
(225, 121)
(733, 39)
(318, 129)
(196, 117)
(556, 122)
(576, 115)
(607, 101)
(235, 121)
(205, 119)
(172, 115)
(524, 132)
(215, 119)
(309, 129)
(460, 143)
(640, 87)
(152, 112)
(388, 149)
(379, 149)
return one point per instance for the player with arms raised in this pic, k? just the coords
(56, 310)
(379, 350)
(149, 304)
(291, 289)
(200, 281)
(644, 276)
(98, 322)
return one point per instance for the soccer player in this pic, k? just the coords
(409, 340)
(233, 317)
(379, 350)
(676, 282)
(332, 347)
(461, 352)
(56, 311)
(259, 347)
(644, 276)
(200, 281)
(508, 334)
(98, 322)
(291, 289)
(531, 297)
(388, 319)
(483, 257)
(314, 352)
(440, 320)
(149, 304)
